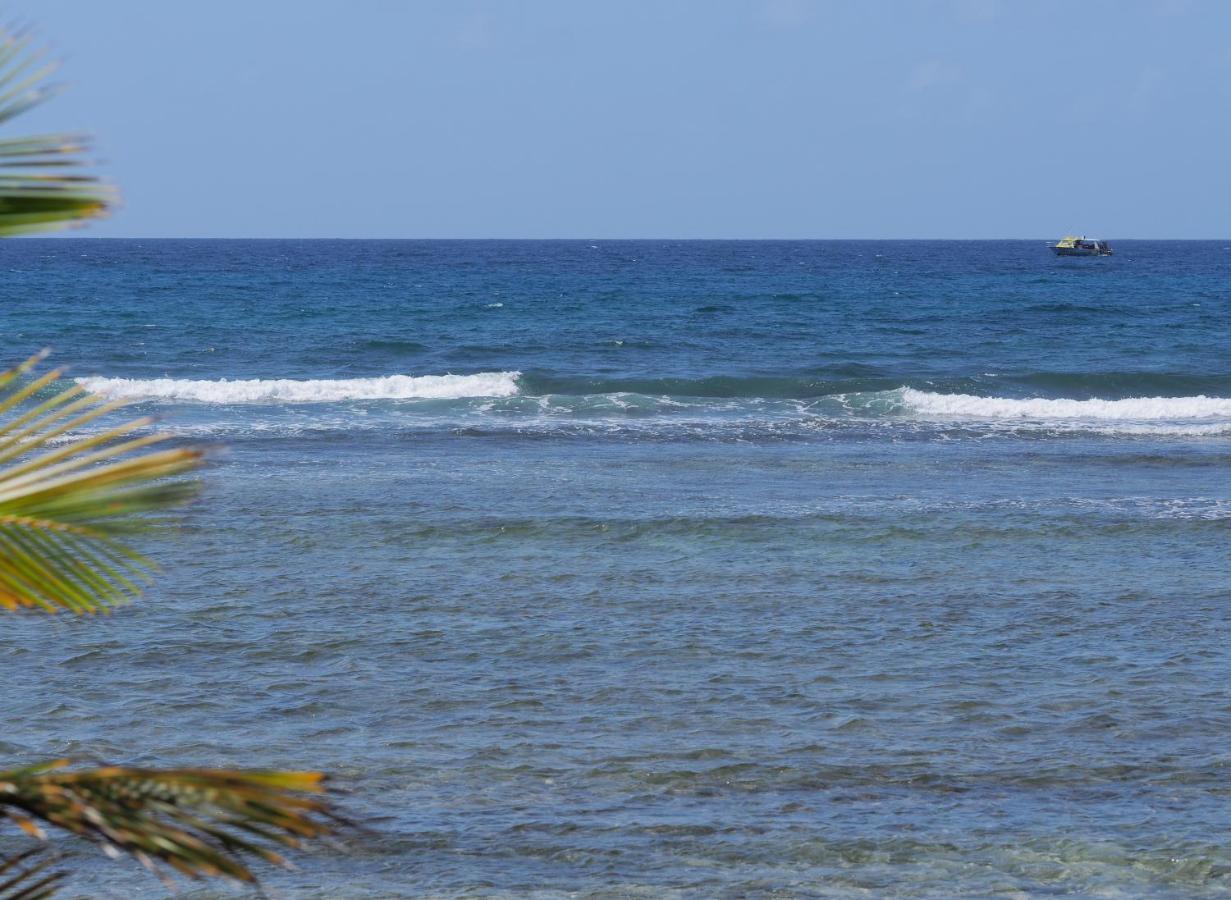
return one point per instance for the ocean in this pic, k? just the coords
(668, 568)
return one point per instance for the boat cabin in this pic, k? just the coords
(1075, 245)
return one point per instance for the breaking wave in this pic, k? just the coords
(285, 390)
(508, 400)
(1133, 409)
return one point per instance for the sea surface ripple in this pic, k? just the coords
(671, 569)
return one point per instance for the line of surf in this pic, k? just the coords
(329, 390)
(506, 388)
(1133, 409)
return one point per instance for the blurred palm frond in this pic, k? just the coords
(42, 187)
(197, 822)
(67, 496)
(22, 878)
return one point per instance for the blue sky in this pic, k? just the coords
(663, 118)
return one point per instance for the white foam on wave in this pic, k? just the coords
(1133, 409)
(286, 390)
(1154, 430)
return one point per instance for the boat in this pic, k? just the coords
(1074, 245)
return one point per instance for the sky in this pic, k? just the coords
(648, 118)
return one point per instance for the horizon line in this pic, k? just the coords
(981, 240)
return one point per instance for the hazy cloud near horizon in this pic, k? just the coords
(764, 118)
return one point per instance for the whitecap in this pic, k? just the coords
(1138, 409)
(286, 390)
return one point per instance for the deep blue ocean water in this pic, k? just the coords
(697, 569)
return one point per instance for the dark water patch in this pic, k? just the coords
(391, 346)
(1117, 385)
(717, 386)
(1063, 307)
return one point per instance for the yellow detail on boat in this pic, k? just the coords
(1080, 245)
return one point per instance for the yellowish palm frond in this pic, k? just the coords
(70, 488)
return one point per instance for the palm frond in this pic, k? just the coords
(197, 822)
(24, 878)
(41, 185)
(67, 496)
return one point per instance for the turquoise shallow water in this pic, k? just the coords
(708, 569)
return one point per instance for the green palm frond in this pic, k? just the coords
(41, 185)
(66, 496)
(24, 878)
(197, 822)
